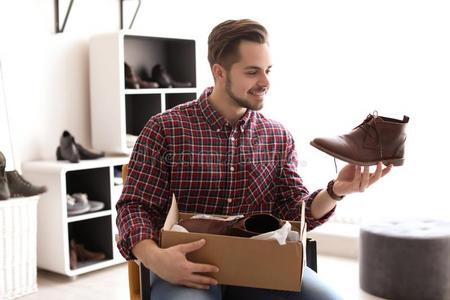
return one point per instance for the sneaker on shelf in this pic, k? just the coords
(92, 205)
(77, 206)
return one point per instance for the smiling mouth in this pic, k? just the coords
(258, 94)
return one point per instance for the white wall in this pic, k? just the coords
(334, 62)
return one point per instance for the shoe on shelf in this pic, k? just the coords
(93, 205)
(87, 154)
(73, 255)
(78, 253)
(4, 189)
(376, 139)
(78, 203)
(133, 81)
(20, 187)
(73, 151)
(77, 206)
(163, 78)
(67, 150)
(84, 254)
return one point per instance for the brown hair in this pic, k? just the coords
(224, 39)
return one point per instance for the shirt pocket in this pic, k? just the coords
(260, 182)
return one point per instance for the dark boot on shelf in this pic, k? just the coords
(19, 187)
(4, 189)
(375, 139)
(160, 74)
(146, 82)
(67, 150)
(87, 154)
(133, 81)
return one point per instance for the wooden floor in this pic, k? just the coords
(112, 283)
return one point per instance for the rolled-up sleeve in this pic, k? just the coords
(144, 201)
(291, 191)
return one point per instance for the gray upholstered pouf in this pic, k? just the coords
(407, 259)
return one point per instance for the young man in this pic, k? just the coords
(218, 155)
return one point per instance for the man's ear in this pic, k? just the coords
(218, 73)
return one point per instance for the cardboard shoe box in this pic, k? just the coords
(244, 261)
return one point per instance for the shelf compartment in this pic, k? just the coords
(176, 55)
(174, 99)
(96, 235)
(93, 182)
(138, 109)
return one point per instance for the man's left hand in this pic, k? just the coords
(354, 178)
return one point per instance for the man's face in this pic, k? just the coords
(247, 81)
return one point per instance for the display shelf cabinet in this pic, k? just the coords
(100, 180)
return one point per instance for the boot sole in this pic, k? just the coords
(396, 162)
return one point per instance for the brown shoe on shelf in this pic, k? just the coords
(84, 254)
(165, 80)
(376, 139)
(73, 255)
(133, 81)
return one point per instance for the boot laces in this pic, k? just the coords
(369, 128)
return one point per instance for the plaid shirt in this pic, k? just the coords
(212, 168)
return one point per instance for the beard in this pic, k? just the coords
(243, 102)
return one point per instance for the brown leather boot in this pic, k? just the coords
(84, 254)
(244, 227)
(207, 226)
(73, 255)
(255, 225)
(375, 139)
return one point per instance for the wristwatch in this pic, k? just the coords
(332, 193)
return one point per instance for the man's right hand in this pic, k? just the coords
(172, 265)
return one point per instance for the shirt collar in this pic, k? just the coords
(214, 118)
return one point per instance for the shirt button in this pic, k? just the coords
(218, 129)
(232, 169)
(229, 200)
(232, 138)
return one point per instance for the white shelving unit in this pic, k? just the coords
(95, 230)
(117, 111)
